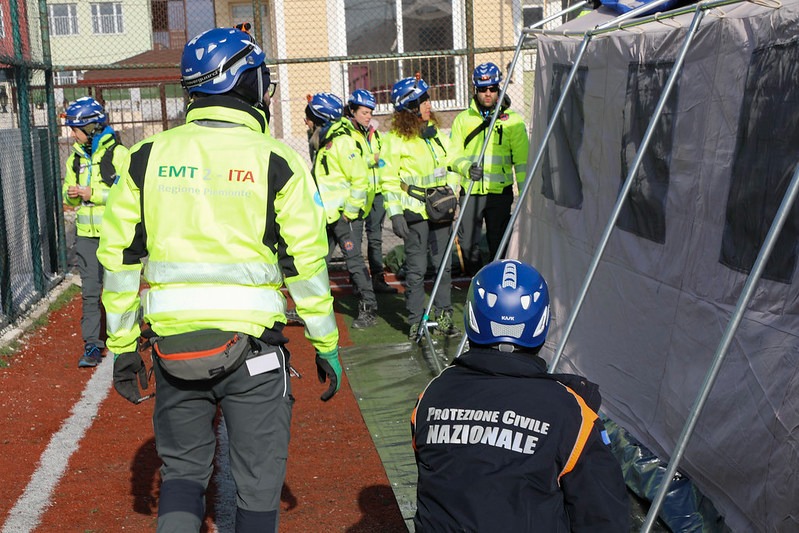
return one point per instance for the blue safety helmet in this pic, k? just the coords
(406, 91)
(508, 303)
(214, 61)
(486, 75)
(326, 107)
(85, 111)
(362, 97)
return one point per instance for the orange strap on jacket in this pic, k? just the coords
(588, 419)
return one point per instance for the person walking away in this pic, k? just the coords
(506, 154)
(526, 451)
(91, 169)
(3, 99)
(415, 152)
(226, 216)
(342, 177)
(360, 106)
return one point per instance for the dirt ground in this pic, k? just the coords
(335, 480)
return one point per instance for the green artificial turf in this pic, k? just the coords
(392, 326)
(386, 372)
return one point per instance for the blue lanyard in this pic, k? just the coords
(432, 151)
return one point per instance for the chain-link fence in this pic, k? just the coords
(126, 54)
(31, 223)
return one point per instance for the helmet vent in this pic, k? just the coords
(492, 299)
(526, 301)
(542, 324)
(473, 320)
(507, 330)
(509, 276)
(536, 296)
(482, 292)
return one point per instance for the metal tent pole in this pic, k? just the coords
(749, 288)
(425, 322)
(558, 108)
(551, 125)
(603, 242)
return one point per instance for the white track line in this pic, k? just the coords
(28, 510)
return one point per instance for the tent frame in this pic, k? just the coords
(426, 323)
(721, 352)
(763, 256)
(531, 169)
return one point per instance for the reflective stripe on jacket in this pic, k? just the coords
(416, 161)
(341, 172)
(89, 215)
(372, 144)
(226, 216)
(506, 152)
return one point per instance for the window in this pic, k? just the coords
(240, 13)
(644, 212)
(372, 28)
(532, 12)
(2, 24)
(560, 171)
(107, 18)
(66, 77)
(169, 24)
(760, 177)
(63, 19)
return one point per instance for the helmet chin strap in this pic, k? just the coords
(260, 103)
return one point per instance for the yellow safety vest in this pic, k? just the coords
(341, 173)
(415, 161)
(97, 171)
(226, 215)
(506, 152)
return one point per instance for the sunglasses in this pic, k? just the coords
(271, 88)
(492, 88)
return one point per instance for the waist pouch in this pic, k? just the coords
(204, 354)
(439, 202)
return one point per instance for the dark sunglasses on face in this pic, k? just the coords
(271, 88)
(492, 88)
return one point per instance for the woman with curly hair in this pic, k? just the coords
(415, 153)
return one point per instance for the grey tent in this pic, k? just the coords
(713, 177)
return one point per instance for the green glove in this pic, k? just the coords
(128, 367)
(328, 366)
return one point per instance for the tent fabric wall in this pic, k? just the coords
(671, 275)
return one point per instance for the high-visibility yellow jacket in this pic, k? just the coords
(227, 215)
(372, 144)
(98, 170)
(506, 151)
(341, 172)
(416, 161)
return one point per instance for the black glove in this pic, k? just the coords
(328, 366)
(475, 172)
(127, 366)
(400, 226)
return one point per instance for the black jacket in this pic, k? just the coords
(503, 446)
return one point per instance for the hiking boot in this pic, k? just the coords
(293, 317)
(366, 316)
(414, 331)
(446, 328)
(92, 356)
(381, 287)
